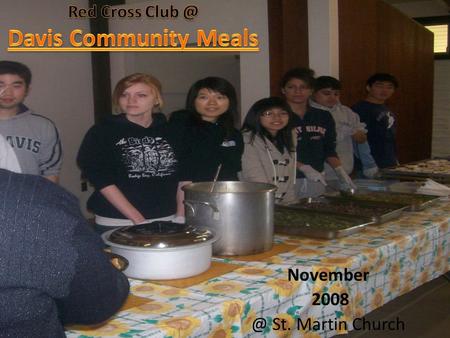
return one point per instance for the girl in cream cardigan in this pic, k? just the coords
(269, 147)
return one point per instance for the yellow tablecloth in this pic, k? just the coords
(398, 256)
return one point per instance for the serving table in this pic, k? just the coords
(255, 297)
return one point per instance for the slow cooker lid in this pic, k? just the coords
(160, 235)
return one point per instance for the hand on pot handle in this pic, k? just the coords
(311, 173)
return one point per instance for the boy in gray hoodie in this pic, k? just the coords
(33, 138)
(351, 139)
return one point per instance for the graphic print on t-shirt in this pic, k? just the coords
(387, 118)
(314, 132)
(147, 157)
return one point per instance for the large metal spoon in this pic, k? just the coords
(216, 177)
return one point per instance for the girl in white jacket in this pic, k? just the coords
(269, 147)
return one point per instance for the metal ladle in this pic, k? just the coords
(349, 192)
(216, 177)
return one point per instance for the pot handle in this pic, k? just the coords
(118, 261)
(190, 204)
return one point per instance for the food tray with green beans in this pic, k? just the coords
(312, 223)
(378, 212)
(415, 202)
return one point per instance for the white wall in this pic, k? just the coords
(62, 82)
(323, 36)
(226, 16)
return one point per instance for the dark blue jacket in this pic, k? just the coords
(53, 268)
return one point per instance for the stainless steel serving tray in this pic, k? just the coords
(415, 202)
(397, 173)
(310, 223)
(378, 212)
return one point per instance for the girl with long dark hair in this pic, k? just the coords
(208, 127)
(269, 151)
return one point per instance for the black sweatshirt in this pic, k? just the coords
(209, 146)
(316, 138)
(146, 165)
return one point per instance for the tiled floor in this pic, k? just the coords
(425, 312)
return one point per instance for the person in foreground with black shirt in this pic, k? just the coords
(207, 125)
(316, 135)
(135, 164)
(54, 271)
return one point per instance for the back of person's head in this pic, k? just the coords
(133, 79)
(16, 68)
(252, 122)
(304, 74)
(323, 82)
(219, 85)
(382, 77)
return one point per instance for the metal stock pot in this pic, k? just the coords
(241, 213)
(162, 250)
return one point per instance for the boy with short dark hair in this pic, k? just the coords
(33, 138)
(379, 119)
(351, 133)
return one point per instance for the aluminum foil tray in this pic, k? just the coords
(436, 169)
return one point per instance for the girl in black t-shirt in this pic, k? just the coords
(207, 125)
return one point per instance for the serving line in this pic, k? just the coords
(398, 257)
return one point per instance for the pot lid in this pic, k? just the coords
(160, 235)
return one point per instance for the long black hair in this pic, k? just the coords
(222, 86)
(252, 123)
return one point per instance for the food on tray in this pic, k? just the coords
(398, 198)
(298, 218)
(350, 207)
(439, 166)
(311, 223)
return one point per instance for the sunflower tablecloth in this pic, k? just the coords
(398, 256)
